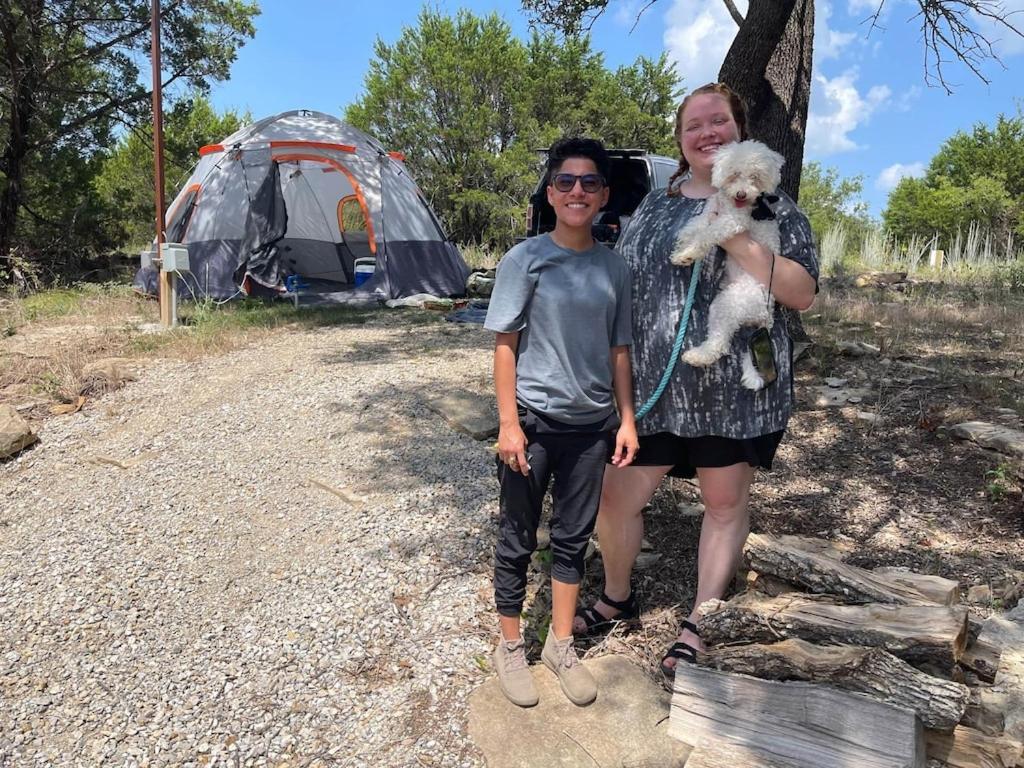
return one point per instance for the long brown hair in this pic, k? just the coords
(739, 116)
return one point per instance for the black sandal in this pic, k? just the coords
(597, 622)
(680, 651)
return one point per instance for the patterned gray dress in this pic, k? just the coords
(701, 401)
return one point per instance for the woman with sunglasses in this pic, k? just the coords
(705, 423)
(561, 310)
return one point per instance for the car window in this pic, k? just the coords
(662, 173)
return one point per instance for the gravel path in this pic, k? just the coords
(177, 589)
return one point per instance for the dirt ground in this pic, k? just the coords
(881, 472)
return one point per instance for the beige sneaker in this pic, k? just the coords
(514, 674)
(560, 657)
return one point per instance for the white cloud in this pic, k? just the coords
(828, 43)
(866, 8)
(626, 11)
(891, 176)
(697, 36)
(906, 100)
(837, 109)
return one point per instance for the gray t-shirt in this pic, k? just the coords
(701, 401)
(570, 308)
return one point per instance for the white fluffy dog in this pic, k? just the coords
(744, 173)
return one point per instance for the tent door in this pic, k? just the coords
(355, 234)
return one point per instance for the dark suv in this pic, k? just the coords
(634, 173)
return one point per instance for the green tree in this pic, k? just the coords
(69, 72)
(828, 200)
(124, 184)
(975, 177)
(468, 104)
(937, 206)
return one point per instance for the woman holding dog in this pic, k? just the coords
(705, 423)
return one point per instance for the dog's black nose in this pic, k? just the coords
(741, 195)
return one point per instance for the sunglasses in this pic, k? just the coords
(591, 182)
(761, 355)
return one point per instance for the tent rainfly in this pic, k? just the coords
(302, 193)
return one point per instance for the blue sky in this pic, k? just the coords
(872, 112)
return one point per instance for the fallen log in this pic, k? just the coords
(935, 588)
(919, 634)
(716, 753)
(982, 658)
(768, 585)
(939, 703)
(968, 748)
(822, 573)
(800, 723)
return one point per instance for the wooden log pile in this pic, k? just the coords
(817, 662)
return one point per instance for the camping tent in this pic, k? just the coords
(302, 193)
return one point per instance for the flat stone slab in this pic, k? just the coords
(993, 436)
(626, 727)
(837, 397)
(858, 349)
(470, 414)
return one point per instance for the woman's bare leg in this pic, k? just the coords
(726, 495)
(620, 528)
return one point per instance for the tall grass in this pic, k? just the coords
(480, 256)
(972, 256)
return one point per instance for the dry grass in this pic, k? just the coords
(50, 337)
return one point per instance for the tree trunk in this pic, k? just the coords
(776, 38)
(22, 61)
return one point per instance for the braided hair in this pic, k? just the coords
(739, 116)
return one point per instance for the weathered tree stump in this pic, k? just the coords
(716, 753)
(939, 703)
(799, 723)
(916, 633)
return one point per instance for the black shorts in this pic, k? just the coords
(685, 454)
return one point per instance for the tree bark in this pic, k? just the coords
(939, 703)
(919, 634)
(22, 64)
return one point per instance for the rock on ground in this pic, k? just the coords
(627, 726)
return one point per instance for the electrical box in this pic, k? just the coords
(175, 257)
(147, 259)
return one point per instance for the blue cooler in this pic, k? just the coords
(364, 269)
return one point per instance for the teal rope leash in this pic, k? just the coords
(674, 357)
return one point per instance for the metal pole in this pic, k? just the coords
(167, 283)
